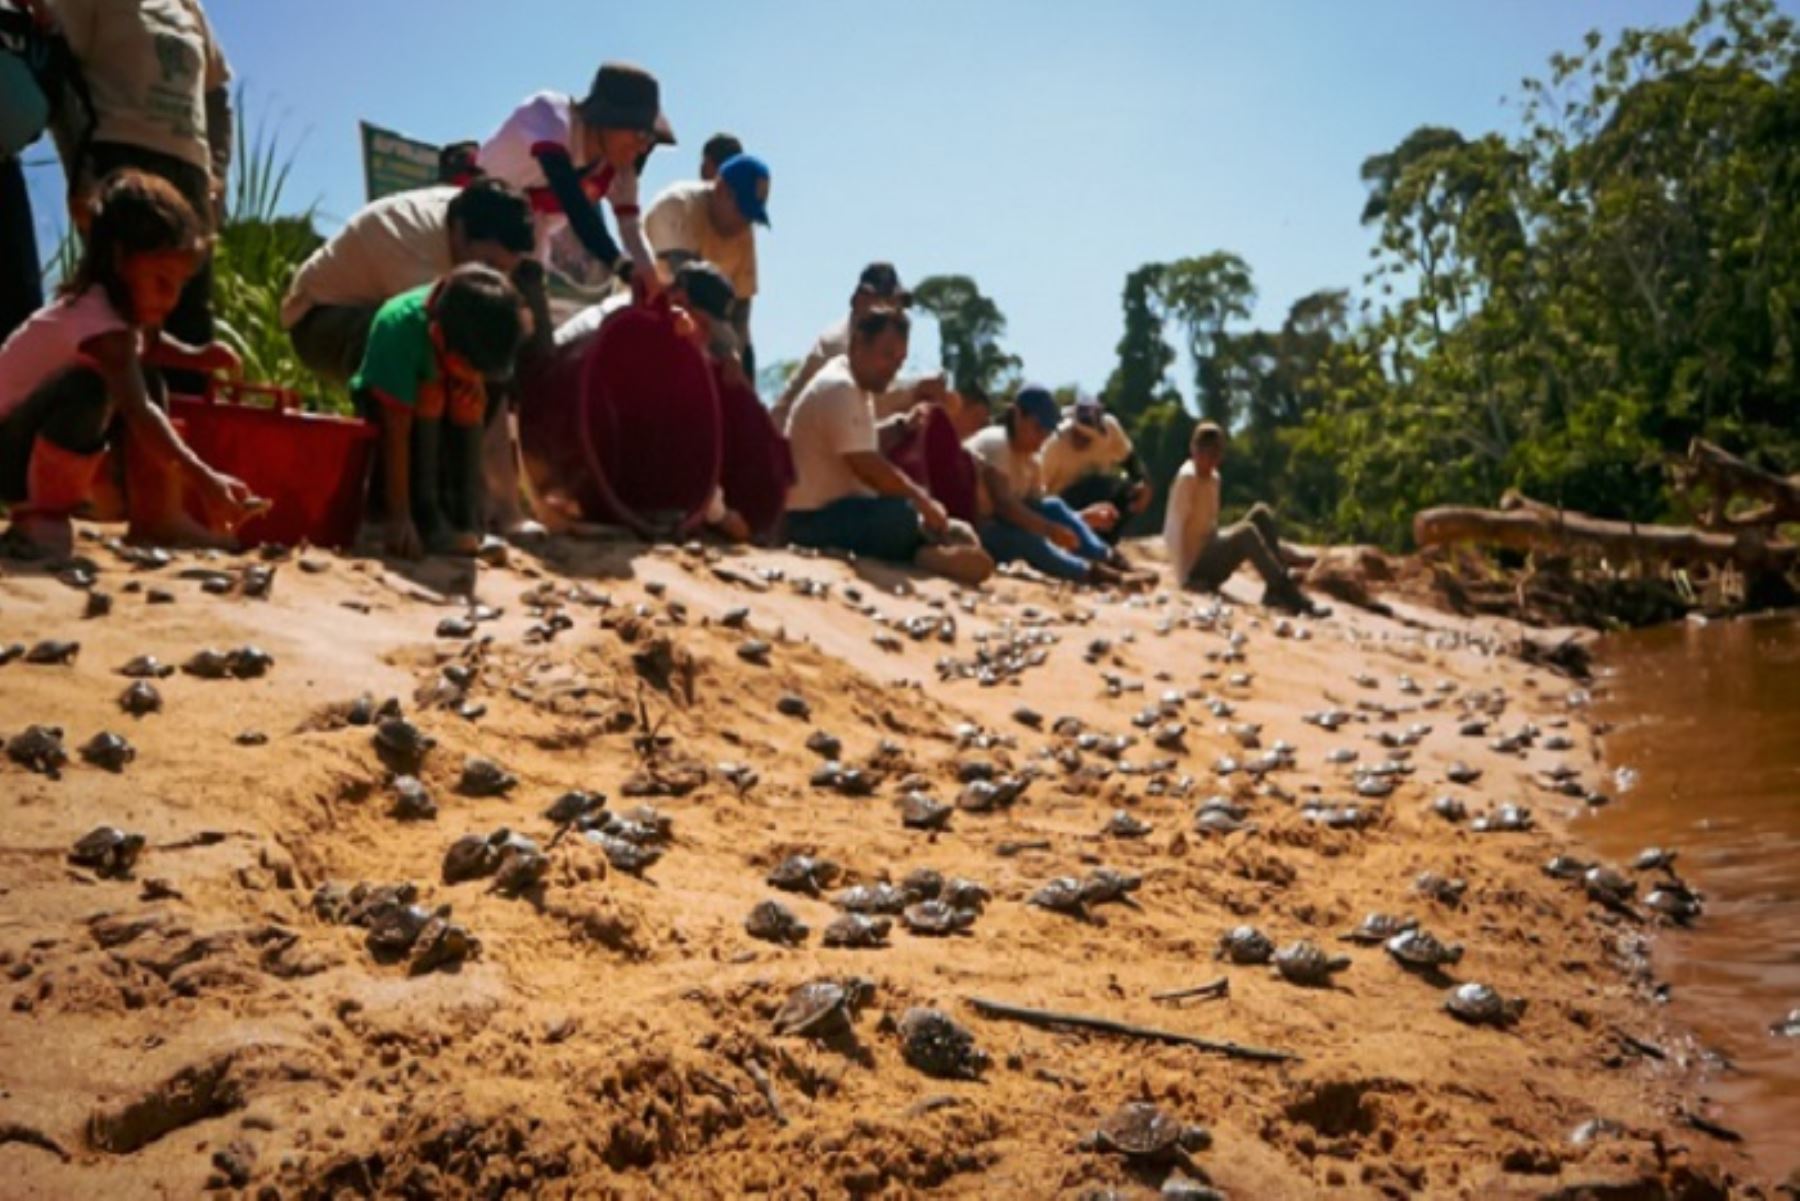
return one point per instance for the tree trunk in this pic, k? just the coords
(1535, 526)
(1728, 475)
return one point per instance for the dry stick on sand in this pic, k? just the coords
(1212, 988)
(1050, 1017)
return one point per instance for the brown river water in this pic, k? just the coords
(1707, 720)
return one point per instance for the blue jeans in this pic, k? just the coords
(874, 527)
(1007, 542)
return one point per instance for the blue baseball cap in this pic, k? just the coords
(1036, 402)
(748, 178)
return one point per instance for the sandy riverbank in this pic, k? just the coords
(608, 1039)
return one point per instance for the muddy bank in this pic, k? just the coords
(207, 1022)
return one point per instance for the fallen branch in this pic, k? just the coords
(766, 1087)
(1533, 526)
(1049, 1018)
(1212, 988)
(1727, 475)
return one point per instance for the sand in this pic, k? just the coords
(198, 1026)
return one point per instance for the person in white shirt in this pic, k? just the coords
(877, 287)
(717, 222)
(845, 495)
(1017, 521)
(1203, 556)
(1090, 463)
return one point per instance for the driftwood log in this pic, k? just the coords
(1051, 1018)
(1533, 526)
(1726, 475)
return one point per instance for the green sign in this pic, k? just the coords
(393, 162)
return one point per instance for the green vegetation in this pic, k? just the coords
(1555, 311)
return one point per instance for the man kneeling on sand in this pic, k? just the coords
(845, 495)
(1202, 555)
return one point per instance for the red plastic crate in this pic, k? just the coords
(313, 468)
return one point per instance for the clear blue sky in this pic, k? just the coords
(1045, 147)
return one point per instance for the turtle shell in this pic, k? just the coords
(1140, 1130)
(1419, 948)
(963, 893)
(857, 930)
(871, 898)
(109, 751)
(919, 811)
(140, 697)
(802, 873)
(934, 918)
(1246, 945)
(1478, 1004)
(934, 1044)
(774, 922)
(1608, 885)
(1379, 927)
(1303, 962)
(107, 849)
(1064, 894)
(402, 745)
(814, 1009)
(146, 667)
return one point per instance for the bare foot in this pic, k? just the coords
(968, 565)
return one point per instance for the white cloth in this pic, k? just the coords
(1064, 462)
(149, 65)
(1021, 470)
(832, 418)
(589, 320)
(678, 222)
(552, 117)
(394, 245)
(830, 344)
(1191, 518)
(50, 340)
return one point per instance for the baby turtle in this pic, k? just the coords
(1244, 945)
(857, 931)
(1373, 786)
(754, 651)
(109, 850)
(825, 746)
(879, 897)
(249, 662)
(140, 698)
(208, 664)
(1566, 867)
(1450, 809)
(1652, 859)
(1447, 889)
(473, 856)
(1341, 755)
(1064, 894)
(934, 919)
(108, 751)
(146, 667)
(803, 873)
(485, 778)
(772, 921)
(456, 627)
(1461, 773)
(934, 1044)
(395, 928)
(1140, 1131)
(1480, 1005)
(1105, 885)
(522, 868)
(1305, 964)
(624, 855)
(402, 746)
(919, 811)
(1788, 1027)
(792, 705)
(39, 749)
(1028, 717)
(1609, 887)
(922, 884)
(53, 651)
(822, 1008)
(1420, 949)
(442, 943)
(1379, 927)
(1125, 825)
(1673, 902)
(963, 893)
(1507, 819)
(412, 800)
(573, 806)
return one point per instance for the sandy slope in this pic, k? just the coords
(606, 1041)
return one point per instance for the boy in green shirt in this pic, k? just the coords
(431, 355)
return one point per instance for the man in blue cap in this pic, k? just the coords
(1015, 519)
(715, 222)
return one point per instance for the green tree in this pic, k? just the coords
(1204, 295)
(970, 326)
(1141, 378)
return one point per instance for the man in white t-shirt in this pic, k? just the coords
(877, 287)
(845, 495)
(1203, 556)
(1090, 463)
(716, 222)
(1017, 521)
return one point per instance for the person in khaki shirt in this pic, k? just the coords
(160, 89)
(715, 222)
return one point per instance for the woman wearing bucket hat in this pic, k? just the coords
(567, 154)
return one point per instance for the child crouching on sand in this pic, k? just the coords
(82, 422)
(432, 353)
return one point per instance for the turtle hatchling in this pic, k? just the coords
(1422, 950)
(402, 746)
(53, 651)
(1125, 825)
(772, 921)
(39, 749)
(109, 850)
(1609, 887)
(1139, 1130)
(1461, 773)
(934, 1044)
(1673, 902)
(485, 778)
(1566, 867)
(1507, 819)
(442, 943)
(412, 800)
(1450, 808)
(108, 751)
(920, 811)
(469, 858)
(1064, 894)
(146, 667)
(934, 919)
(1447, 889)
(825, 746)
(395, 928)
(1480, 1005)
(1379, 927)
(624, 855)
(822, 1008)
(857, 931)
(1244, 945)
(803, 873)
(139, 698)
(573, 806)
(1652, 859)
(879, 897)
(1105, 885)
(1305, 964)
(962, 893)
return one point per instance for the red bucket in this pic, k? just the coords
(313, 468)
